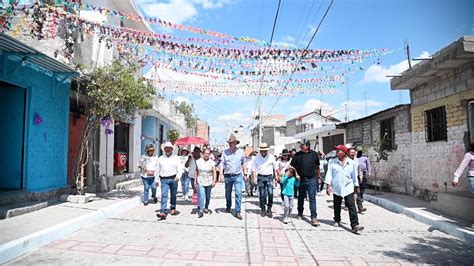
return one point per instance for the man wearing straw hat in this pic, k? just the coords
(170, 171)
(263, 166)
(232, 167)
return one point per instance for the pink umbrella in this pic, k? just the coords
(190, 140)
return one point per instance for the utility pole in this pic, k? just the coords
(407, 47)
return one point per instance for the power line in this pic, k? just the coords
(301, 58)
(265, 68)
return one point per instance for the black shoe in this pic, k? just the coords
(263, 212)
(238, 216)
(155, 200)
(269, 213)
(227, 210)
(145, 203)
(357, 228)
(200, 214)
(207, 211)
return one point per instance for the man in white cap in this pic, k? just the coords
(170, 169)
(231, 166)
(263, 165)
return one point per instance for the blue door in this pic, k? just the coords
(12, 126)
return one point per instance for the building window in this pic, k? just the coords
(436, 129)
(387, 133)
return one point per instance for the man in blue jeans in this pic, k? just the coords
(263, 166)
(306, 163)
(232, 166)
(170, 171)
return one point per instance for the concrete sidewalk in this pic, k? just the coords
(30, 231)
(423, 212)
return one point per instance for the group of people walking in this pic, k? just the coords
(300, 175)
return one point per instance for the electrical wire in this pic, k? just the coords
(301, 58)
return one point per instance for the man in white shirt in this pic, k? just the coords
(263, 167)
(170, 169)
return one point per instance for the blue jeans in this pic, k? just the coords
(204, 197)
(170, 185)
(471, 183)
(310, 186)
(148, 182)
(185, 183)
(265, 189)
(236, 182)
(192, 184)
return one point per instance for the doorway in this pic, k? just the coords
(121, 147)
(12, 126)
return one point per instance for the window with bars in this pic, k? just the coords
(435, 121)
(387, 133)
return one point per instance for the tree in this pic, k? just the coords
(173, 135)
(113, 92)
(188, 111)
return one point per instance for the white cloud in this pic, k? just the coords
(378, 73)
(235, 118)
(179, 11)
(287, 41)
(176, 11)
(209, 4)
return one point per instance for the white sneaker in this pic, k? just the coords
(336, 224)
(285, 220)
(186, 197)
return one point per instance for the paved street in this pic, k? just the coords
(137, 237)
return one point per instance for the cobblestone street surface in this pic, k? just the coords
(218, 238)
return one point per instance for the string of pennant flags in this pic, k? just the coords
(218, 59)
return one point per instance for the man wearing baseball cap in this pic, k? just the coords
(306, 163)
(341, 179)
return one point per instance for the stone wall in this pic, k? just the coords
(366, 131)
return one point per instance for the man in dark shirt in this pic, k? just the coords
(306, 163)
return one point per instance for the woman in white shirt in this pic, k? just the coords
(149, 167)
(205, 180)
(283, 163)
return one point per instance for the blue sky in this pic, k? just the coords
(428, 25)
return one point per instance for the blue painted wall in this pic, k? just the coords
(46, 144)
(12, 114)
(149, 130)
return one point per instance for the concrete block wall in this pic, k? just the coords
(435, 162)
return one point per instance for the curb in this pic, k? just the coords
(18, 247)
(446, 227)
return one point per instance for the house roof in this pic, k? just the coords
(330, 118)
(374, 114)
(12, 46)
(456, 54)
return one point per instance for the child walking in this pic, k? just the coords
(289, 182)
